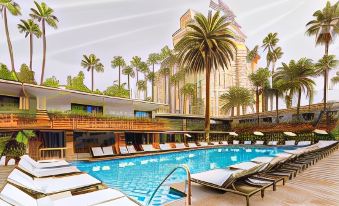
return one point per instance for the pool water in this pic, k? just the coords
(138, 177)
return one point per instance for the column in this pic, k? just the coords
(69, 144)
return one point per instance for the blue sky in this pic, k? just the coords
(138, 27)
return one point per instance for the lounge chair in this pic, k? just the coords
(149, 148)
(259, 142)
(203, 144)
(180, 146)
(290, 142)
(123, 150)
(224, 142)
(44, 163)
(108, 151)
(165, 146)
(97, 152)
(104, 197)
(272, 143)
(131, 149)
(215, 143)
(234, 180)
(304, 143)
(235, 142)
(3, 161)
(29, 167)
(192, 145)
(248, 142)
(51, 185)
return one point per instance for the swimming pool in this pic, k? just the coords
(138, 177)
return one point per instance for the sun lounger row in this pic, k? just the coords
(9, 162)
(57, 183)
(249, 178)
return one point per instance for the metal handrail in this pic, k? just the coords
(189, 190)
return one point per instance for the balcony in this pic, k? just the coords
(59, 122)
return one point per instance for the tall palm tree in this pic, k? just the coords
(187, 91)
(165, 72)
(209, 44)
(142, 86)
(129, 72)
(151, 78)
(269, 43)
(297, 76)
(14, 9)
(324, 27)
(118, 62)
(135, 62)
(92, 63)
(279, 89)
(258, 80)
(325, 64)
(143, 68)
(31, 29)
(153, 59)
(253, 57)
(175, 80)
(335, 79)
(236, 97)
(44, 14)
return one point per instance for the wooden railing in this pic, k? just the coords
(13, 121)
(52, 153)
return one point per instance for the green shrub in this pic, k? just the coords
(97, 91)
(6, 74)
(51, 82)
(117, 91)
(26, 75)
(77, 83)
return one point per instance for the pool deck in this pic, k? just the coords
(4, 172)
(316, 186)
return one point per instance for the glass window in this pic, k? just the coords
(142, 114)
(85, 140)
(9, 103)
(87, 108)
(52, 139)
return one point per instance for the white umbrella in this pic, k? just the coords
(291, 134)
(258, 133)
(188, 135)
(233, 133)
(319, 131)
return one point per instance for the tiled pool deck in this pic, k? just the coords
(316, 186)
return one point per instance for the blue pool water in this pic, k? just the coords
(138, 177)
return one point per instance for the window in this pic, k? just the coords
(87, 108)
(85, 140)
(9, 103)
(52, 139)
(143, 114)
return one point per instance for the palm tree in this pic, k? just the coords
(153, 59)
(175, 80)
(135, 62)
(44, 14)
(209, 44)
(297, 77)
(92, 63)
(117, 90)
(14, 9)
(335, 79)
(236, 97)
(118, 62)
(142, 86)
(279, 89)
(269, 43)
(325, 64)
(187, 91)
(129, 71)
(324, 27)
(143, 68)
(165, 72)
(151, 77)
(31, 29)
(253, 57)
(258, 80)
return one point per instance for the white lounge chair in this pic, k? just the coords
(44, 163)
(51, 185)
(224, 142)
(17, 197)
(247, 142)
(235, 142)
(131, 149)
(304, 143)
(149, 148)
(192, 145)
(259, 142)
(215, 143)
(180, 145)
(2, 160)
(165, 146)
(203, 144)
(30, 168)
(290, 142)
(123, 150)
(97, 152)
(272, 143)
(108, 151)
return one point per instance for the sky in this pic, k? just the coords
(127, 28)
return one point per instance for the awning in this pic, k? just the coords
(258, 133)
(233, 133)
(291, 134)
(319, 131)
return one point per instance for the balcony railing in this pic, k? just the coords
(14, 121)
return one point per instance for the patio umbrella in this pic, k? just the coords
(258, 133)
(319, 131)
(291, 134)
(233, 133)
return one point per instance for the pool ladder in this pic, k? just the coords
(187, 184)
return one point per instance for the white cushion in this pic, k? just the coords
(235, 141)
(45, 163)
(290, 142)
(131, 149)
(247, 142)
(123, 150)
(97, 151)
(180, 145)
(224, 142)
(272, 143)
(259, 142)
(108, 150)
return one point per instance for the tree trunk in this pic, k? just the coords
(43, 51)
(92, 70)
(179, 100)
(263, 105)
(31, 51)
(165, 92)
(232, 112)
(325, 84)
(129, 89)
(137, 90)
(153, 85)
(9, 43)
(175, 97)
(119, 77)
(207, 108)
(298, 105)
(257, 102)
(243, 107)
(276, 105)
(238, 110)
(169, 93)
